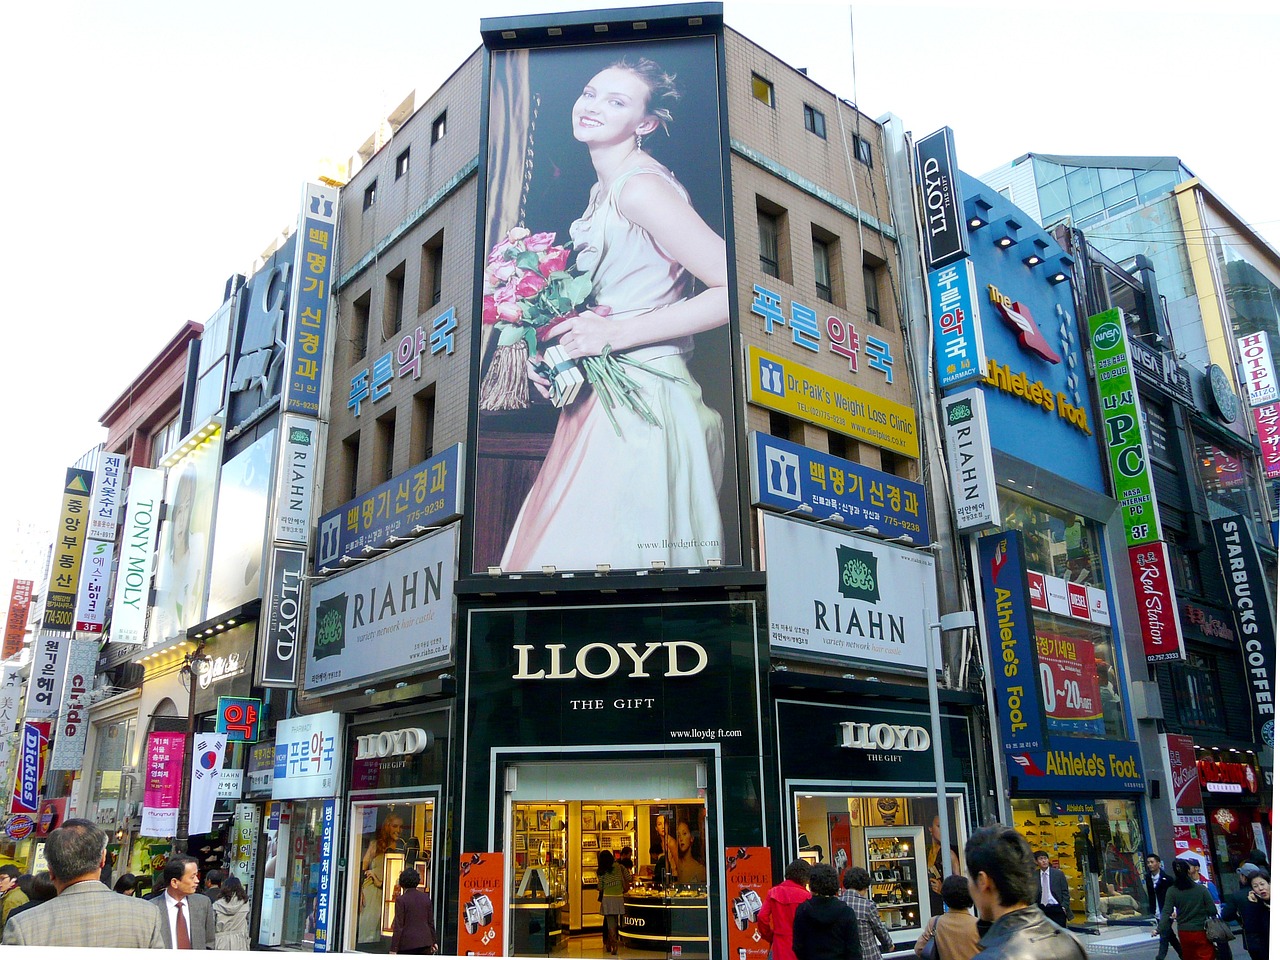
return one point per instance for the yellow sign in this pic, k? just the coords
(806, 394)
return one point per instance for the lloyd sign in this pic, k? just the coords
(945, 237)
(847, 598)
(884, 736)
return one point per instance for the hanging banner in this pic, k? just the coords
(480, 904)
(1258, 369)
(244, 844)
(969, 463)
(33, 750)
(10, 695)
(91, 600)
(1267, 419)
(137, 556)
(1182, 777)
(295, 477)
(959, 353)
(15, 628)
(73, 713)
(104, 512)
(68, 550)
(946, 238)
(748, 876)
(324, 888)
(282, 611)
(1254, 618)
(162, 789)
(310, 299)
(1010, 642)
(48, 667)
(1157, 604)
(206, 771)
(1123, 429)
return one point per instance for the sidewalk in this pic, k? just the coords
(1121, 941)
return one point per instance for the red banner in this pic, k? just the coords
(15, 627)
(747, 879)
(480, 882)
(1157, 608)
(1069, 683)
(1184, 779)
(1267, 419)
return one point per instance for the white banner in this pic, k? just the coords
(137, 554)
(392, 613)
(91, 599)
(1258, 368)
(48, 667)
(206, 771)
(295, 476)
(10, 695)
(973, 475)
(104, 511)
(833, 595)
(72, 731)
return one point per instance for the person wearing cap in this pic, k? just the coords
(1233, 902)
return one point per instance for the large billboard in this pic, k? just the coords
(182, 567)
(604, 258)
(235, 575)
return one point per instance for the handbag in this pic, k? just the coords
(930, 949)
(1217, 931)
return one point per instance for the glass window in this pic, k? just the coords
(1109, 177)
(871, 286)
(1116, 195)
(822, 269)
(164, 439)
(387, 839)
(439, 126)
(402, 163)
(768, 224)
(1198, 693)
(114, 751)
(1227, 478)
(761, 89)
(1083, 184)
(815, 122)
(1153, 182)
(862, 150)
(1053, 198)
(1076, 656)
(1046, 171)
(370, 195)
(1088, 207)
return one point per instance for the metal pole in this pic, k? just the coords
(939, 768)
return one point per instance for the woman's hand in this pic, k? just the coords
(587, 334)
(540, 383)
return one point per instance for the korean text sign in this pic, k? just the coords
(240, 718)
(317, 252)
(308, 757)
(324, 892)
(1009, 638)
(1123, 429)
(786, 475)
(68, 550)
(15, 628)
(1069, 680)
(162, 788)
(959, 353)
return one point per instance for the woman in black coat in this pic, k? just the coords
(413, 930)
(825, 927)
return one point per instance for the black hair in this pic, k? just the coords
(232, 887)
(409, 878)
(1182, 875)
(215, 878)
(1004, 855)
(126, 884)
(798, 871)
(604, 861)
(955, 893)
(1038, 854)
(856, 878)
(10, 871)
(176, 867)
(823, 881)
(42, 888)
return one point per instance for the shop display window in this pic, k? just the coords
(386, 839)
(1075, 651)
(896, 839)
(1098, 845)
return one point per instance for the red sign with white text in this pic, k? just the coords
(1184, 778)
(1069, 683)
(1157, 607)
(480, 904)
(747, 879)
(15, 627)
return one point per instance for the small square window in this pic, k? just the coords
(822, 269)
(815, 122)
(402, 164)
(871, 287)
(769, 231)
(862, 149)
(762, 89)
(371, 195)
(438, 126)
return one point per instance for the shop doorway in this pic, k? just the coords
(387, 838)
(565, 819)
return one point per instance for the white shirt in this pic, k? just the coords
(1046, 894)
(171, 908)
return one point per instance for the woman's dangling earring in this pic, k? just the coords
(639, 142)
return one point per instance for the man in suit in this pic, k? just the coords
(86, 912)
(186, 921)
(1053, 895)
(213, 884)
(1158, 882)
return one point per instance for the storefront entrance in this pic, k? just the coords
(387, 838)
(649, 816)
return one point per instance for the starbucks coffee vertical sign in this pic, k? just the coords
(837, 596)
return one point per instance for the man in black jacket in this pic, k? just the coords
(1158, 882)
(1002, 880)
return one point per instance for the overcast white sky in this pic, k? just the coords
(150, 149)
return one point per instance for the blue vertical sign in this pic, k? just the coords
(312, 276)
(324, 886)
(1014, 670)
(958, 352)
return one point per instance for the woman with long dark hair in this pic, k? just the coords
(231, 916)
(1191, 903)
(613, 885)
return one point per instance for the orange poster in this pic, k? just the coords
(748, 875)
(480, 905)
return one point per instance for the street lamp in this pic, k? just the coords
(949, 621)
(190, 679)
